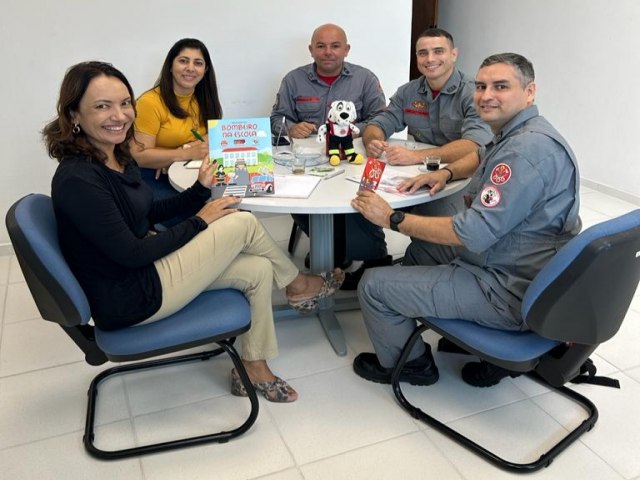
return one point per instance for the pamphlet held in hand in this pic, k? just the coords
(372, 174)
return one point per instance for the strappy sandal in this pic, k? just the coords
(331, 283)
(277, 391)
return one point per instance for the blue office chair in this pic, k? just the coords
(212, 317)
(577, 301)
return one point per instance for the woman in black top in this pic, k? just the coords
(130, 274)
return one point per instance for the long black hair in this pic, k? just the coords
(206, 91)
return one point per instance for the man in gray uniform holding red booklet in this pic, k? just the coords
(521, 208)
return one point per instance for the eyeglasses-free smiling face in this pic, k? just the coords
(436, 59)
(187, 69)
(105, 113)
(500, 95)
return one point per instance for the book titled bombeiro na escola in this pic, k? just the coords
(242, 149)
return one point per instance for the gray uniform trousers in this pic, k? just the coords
(426, 285)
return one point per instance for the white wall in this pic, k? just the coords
(253, 43)
(587, 71)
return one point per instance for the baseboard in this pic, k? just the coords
(627, 197)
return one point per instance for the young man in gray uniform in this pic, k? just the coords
(522, 208)
(304, 100)
(437, 108)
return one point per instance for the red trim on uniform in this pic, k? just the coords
(307, 99)
(328, 80)
(411, 111)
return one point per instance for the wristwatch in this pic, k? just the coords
(396, 218)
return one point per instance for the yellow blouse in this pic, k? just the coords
(155, 119)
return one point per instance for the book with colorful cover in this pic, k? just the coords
(242, 148)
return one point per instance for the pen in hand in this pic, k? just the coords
(196, 134)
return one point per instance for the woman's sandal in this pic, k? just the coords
(276, 391)
(331, 283)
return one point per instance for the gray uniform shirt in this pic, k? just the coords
(524, 206)
(303, 96)
(450, 116)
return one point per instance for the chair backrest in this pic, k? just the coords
(583, 294)
(33, 231)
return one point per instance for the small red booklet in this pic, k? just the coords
(372, 174)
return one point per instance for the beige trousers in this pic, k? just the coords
(235, 251)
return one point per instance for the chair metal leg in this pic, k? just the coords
(293, 238)
(220, 437)
(543, 461)
(84, 337)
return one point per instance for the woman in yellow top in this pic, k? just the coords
(184, 97)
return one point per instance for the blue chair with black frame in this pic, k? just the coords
(576, 302)
(213, 317)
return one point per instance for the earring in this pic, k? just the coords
(76, 129)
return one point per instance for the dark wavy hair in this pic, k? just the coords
(206, 91)
(58, 135)
(523, 67)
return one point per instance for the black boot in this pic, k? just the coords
(485, 374)
(351, 279)
(446, 345)
(419, 371)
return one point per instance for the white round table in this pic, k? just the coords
(331, 196)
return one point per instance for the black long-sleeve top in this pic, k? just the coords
(104, 218)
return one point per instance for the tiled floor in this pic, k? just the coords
(342, 427)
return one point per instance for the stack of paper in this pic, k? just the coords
(295, 186)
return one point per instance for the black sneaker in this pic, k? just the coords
(351, 279)
(420, 371)
(485, 374)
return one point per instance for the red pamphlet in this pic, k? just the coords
(372, 174)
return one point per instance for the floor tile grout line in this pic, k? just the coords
(79, 431)
(275, 424)
(36, 370)
(4, 312)
(361, 447)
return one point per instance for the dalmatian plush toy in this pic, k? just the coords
(339, 131)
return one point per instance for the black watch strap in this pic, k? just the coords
(396, 218)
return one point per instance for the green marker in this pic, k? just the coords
(197, 135)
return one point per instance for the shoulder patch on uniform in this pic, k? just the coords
(490, 196)
(500, 174)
